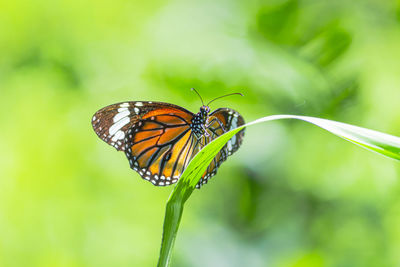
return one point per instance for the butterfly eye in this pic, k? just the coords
(205, 109)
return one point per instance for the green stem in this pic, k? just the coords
(173, 215)
(174, 211)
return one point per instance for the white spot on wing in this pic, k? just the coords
(233, 139)
(233, 126)
(118, 135)
(122, 109)
(234, 123)
(94, 118)
(139, 104)
(118, 125)
(229, 145)
(121, 115)
(124, 105)
(136, 110)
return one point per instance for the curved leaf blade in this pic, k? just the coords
(385, 144)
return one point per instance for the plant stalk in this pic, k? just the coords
(172, 219)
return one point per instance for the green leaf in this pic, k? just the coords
(381, 143)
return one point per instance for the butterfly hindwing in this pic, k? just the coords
(158, 146)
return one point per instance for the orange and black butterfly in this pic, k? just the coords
(160, 139)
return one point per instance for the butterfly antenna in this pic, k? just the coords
(198, 95)
(224, 96)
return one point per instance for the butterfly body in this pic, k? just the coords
(199, 122)
(159, 139)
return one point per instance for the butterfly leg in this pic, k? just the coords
(210, 123)
(204, 127)
(198, 135)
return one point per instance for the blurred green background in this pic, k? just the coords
(293, 195)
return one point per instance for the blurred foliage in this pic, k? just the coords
(293, 195)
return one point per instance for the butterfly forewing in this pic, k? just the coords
(111, 123)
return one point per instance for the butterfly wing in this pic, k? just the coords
(111, 123)
(220, 121)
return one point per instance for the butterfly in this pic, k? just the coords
(159, 139)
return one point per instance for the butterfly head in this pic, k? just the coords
(204, 110)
